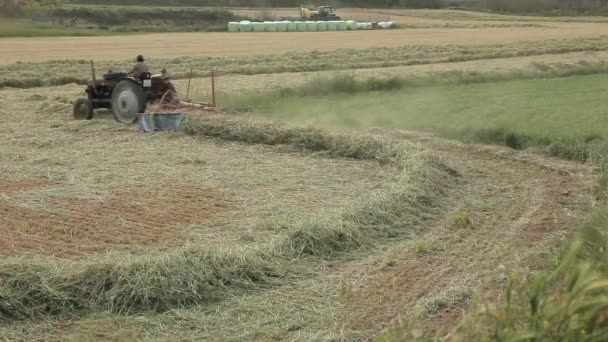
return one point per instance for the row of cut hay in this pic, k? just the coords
(391, 211)
(36, 289)
(306, 138)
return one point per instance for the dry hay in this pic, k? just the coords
(192, 276)
(60, 72)
(240, 44)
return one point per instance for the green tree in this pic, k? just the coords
(16, 7)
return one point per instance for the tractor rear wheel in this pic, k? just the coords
(83, 109)
(128, 100)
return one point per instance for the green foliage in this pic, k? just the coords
(115, 16)
(11, 8)
(460, 220)
(10, 27)
(568, 303)
(421, 247)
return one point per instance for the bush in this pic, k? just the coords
(125, 16)
(11, 8)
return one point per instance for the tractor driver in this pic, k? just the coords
(139, 68)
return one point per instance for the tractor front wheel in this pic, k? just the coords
(83, 109)
(128, 100)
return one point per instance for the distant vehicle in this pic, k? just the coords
(321, 13)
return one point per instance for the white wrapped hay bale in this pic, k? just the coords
(245, 26)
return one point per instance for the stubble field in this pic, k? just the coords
(432, 29)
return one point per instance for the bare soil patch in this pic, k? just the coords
(9, 186)
(73, 227)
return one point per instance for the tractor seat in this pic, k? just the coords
(111, 76)
(145, 76)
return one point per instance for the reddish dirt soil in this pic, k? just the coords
(75, 227)
(13, 186)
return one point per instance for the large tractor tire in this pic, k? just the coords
(128, 100)
(83, 109)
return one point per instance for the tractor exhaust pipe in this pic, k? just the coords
(189, 80)
(93, 76)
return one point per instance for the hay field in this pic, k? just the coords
(76, 179)
(317, 217)
(59, 72)
(239, 215)
(170, 45)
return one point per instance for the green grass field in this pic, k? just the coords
(569, 106)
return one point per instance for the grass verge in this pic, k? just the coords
(35, 289)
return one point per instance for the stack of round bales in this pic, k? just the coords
(293, 26)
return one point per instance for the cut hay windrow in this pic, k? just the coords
(37, 289)
(33, 289)
(391, 211)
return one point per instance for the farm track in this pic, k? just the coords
(170, 45)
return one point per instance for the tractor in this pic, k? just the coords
(126, 95)
(322, 13)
